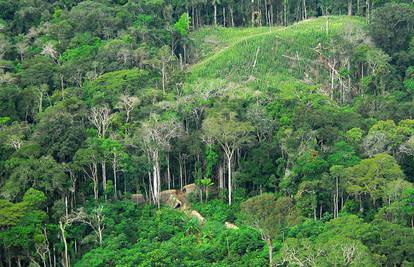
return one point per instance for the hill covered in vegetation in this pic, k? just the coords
(195, 133)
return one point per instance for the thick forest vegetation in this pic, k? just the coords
(206, 133)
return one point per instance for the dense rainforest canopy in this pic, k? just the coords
(206, 133)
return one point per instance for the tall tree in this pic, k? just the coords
(230, 133)
(269, 216)
(155, 136)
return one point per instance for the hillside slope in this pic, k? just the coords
(277, 54)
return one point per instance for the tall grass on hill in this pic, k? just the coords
(284, 51)
(209, 40)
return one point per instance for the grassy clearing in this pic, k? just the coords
(210, 40)
(276, 53)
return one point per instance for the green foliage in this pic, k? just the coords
(107, 88)
(304, 123)
(183, 24)
(370, 176)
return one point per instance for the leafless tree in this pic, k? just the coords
(101, 118)
(95, 220)
(155, 135)
(127, 103)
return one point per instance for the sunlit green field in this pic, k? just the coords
(263, 53)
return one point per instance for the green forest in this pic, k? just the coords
(207, 133)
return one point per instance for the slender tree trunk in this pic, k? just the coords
(231, 16)
(95, 180)
(224, 16)
(49, 257)
(358, 8)
(114, 169)
(320, 211)
(305, 12)
(337, 197)
(151, 188)
(9, 261)
(181, 173)
(185, 55)
(206, 193)
(368, 11)
(155, 184)
(62, 86)
(54, 256)
(193, 15)
(163, 76)
(66, 256)
(349, 7)
(229, 177)
(270, 246)
(185, 172)
(168, 172)
(100, 235)
(215, 15)
(156, 177)
(103, 165)
(221, 178)
(66, 205)
(271, 14)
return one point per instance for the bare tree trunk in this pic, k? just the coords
(163, 76)
(231, 16)
(221, 180)
(54, 256)
(66, 256)
(267, 14)
(114, 169)
(270, 246)
(62, 86)
(158, 181)
(95, 180)
(271, 14)
(168, 172)
(215, 15)
(229, 156)
(224, 16)
(103, 165)
(100, 235)
(151, 189)
(305, 12)
(193, 16)
(358, 8)
(185, 173)
(66, 205)
(349, 7)
(185, 55)
(337, 197)
(156, 178)
(181, 173)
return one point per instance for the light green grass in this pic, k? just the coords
(272, 50)
(210, 40)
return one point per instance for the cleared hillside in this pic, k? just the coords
(208, 41)
(276, 54)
